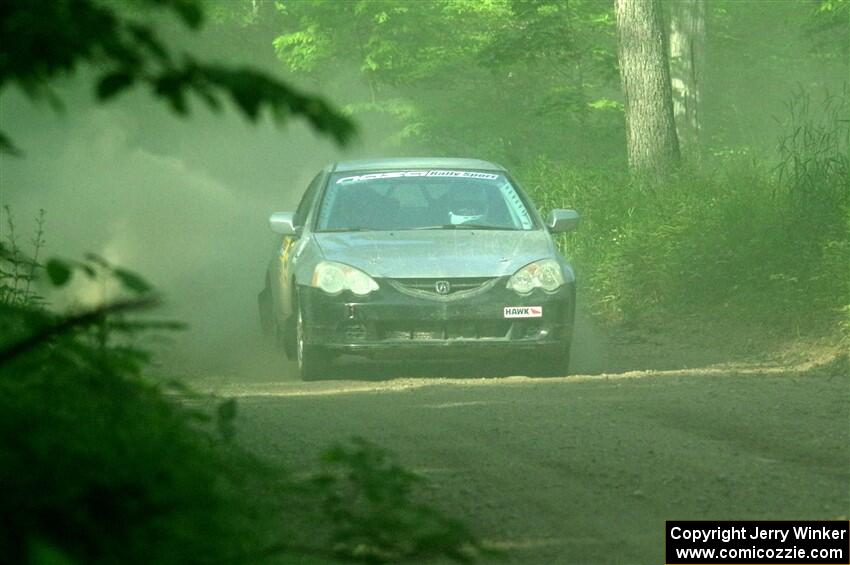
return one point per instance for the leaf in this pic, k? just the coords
(246, 98)
(59, 272)
(132, 281)
(113, 83)
(145, 36)
(189, 11)
(169, 86)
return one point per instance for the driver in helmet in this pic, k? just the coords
(468, 205)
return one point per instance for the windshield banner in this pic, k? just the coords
(400, 174)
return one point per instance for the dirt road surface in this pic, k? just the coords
(583, 469)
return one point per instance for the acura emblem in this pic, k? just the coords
(443, 287)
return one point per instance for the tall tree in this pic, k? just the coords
(687, 52)
(652, 144)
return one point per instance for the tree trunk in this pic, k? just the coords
(687, 48)
(653, 147)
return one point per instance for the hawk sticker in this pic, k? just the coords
(523, 311)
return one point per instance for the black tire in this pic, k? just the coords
(313, 360)
(553, 363)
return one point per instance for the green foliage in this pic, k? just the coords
(96, 465)
(732, 237)
(827, 26)
(510, 79)
(99, 467)
(18, 271)
(729, 241)
(44, 41)
(814, 151)
(757, 55)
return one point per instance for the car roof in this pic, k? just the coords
(415, 163)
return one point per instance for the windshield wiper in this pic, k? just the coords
(465, 227)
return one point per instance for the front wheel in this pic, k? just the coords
(313, 360)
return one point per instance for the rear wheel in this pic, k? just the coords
(313, 360)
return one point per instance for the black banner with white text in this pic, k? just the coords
(756, 542)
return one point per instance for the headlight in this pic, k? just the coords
(333, 278)
(545, 274)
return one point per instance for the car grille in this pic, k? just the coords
(430, 330)
(355, 332)
(423, 331)
(457, 287)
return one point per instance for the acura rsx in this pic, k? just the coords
(402, 257)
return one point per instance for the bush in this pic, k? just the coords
(101, 468)
(731, 240)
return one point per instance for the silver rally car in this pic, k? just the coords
(415, 256)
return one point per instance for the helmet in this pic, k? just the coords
(463, 217)
(467, 205)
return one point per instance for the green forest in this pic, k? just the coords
(144, 418)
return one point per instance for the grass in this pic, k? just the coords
(735, 239)
(732, 242)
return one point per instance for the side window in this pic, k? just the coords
(307, 201)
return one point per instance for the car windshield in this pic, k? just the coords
(422, 200)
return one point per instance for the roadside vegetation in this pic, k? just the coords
(755, 242)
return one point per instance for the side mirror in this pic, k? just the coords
(560, 221)
(282, 223)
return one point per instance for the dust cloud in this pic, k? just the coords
(183, 202)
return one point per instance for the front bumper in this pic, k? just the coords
(390, 321)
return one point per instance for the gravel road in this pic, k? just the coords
(583, 469)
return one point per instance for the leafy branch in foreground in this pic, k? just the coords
(48, 39)
(17, 270)
(54, 328)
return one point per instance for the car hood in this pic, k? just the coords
(436, 253)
